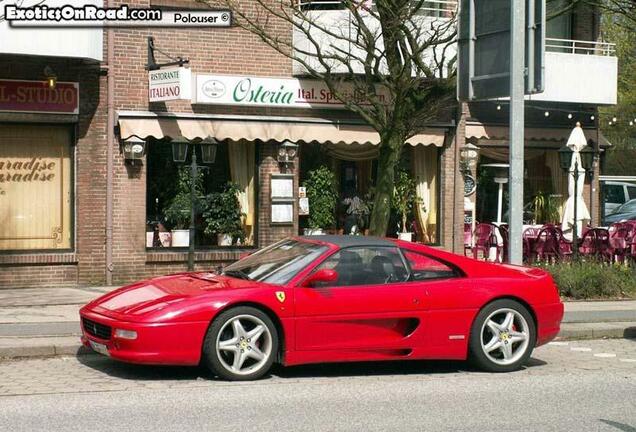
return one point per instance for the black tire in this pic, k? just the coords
(477, 352)
(211, 356)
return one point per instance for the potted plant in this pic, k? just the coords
(223, 216)
(179, 210)
(545, 208)
(323, 198)
(404, 198)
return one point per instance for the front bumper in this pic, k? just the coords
(156, 343)
(549, 319)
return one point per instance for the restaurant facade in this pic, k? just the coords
(96, 167)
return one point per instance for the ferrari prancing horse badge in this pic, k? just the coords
(280, 295)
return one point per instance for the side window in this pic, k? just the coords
(631, 191)
(366, 266)
(424, 267)
(614, 194)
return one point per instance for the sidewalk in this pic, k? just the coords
(45, 322)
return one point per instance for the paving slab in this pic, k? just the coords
(49, 296)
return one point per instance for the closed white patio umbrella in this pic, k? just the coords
(576, 142)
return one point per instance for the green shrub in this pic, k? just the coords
(323, 198)
(223, 213)
(593, 280)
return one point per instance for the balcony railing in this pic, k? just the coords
(569, 46)
(429, 8)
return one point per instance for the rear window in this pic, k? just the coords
(424, 267)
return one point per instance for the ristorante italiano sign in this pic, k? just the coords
(38, 97)
(169, 84)
(271, 92)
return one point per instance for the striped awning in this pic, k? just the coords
(264, 129)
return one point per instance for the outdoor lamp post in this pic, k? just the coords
(586, 156)
(180, 155)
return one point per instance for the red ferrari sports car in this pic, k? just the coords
(329, 299)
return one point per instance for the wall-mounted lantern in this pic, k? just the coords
(287, 152)
(51, 77)
(134, 149)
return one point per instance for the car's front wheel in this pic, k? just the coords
(241, 344)
(502, 337)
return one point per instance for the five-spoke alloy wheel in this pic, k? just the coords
(502, 337)
(241, 344)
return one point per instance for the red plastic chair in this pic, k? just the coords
(596, 243)
(620, 238)
(530, 235)
(468, 238)
(551, 245)
(485, 239)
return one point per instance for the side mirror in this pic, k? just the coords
(323, 275)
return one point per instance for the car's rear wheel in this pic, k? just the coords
(241, 344)
(502, 337)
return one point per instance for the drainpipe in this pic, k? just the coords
(110, 139)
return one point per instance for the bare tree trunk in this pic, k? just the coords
(388, 159)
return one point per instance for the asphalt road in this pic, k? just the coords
(580, 386)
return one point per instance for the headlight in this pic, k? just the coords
(125, 334)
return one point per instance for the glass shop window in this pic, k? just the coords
(224, 197)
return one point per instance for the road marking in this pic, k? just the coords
(605, 355)
(628, 360)
(581, 349)
(559, 343)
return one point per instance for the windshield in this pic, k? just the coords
(628, 207)
(276, 264)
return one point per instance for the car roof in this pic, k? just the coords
(344, 241)
(618, 183)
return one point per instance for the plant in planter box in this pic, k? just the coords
(323, 198)
(223, 215)
(404, 200)
(178, 212)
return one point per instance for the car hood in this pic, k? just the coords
(159, 295)
(617, 217)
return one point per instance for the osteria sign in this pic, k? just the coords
(270, 92)
(172, 83)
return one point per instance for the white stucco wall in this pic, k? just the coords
(54, 42)
(579, 78)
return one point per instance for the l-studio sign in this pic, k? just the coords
(169, 84)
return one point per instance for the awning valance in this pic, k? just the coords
(252, 129)
(498, 135)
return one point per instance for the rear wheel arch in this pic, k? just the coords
(267, 311)
(513, 298)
